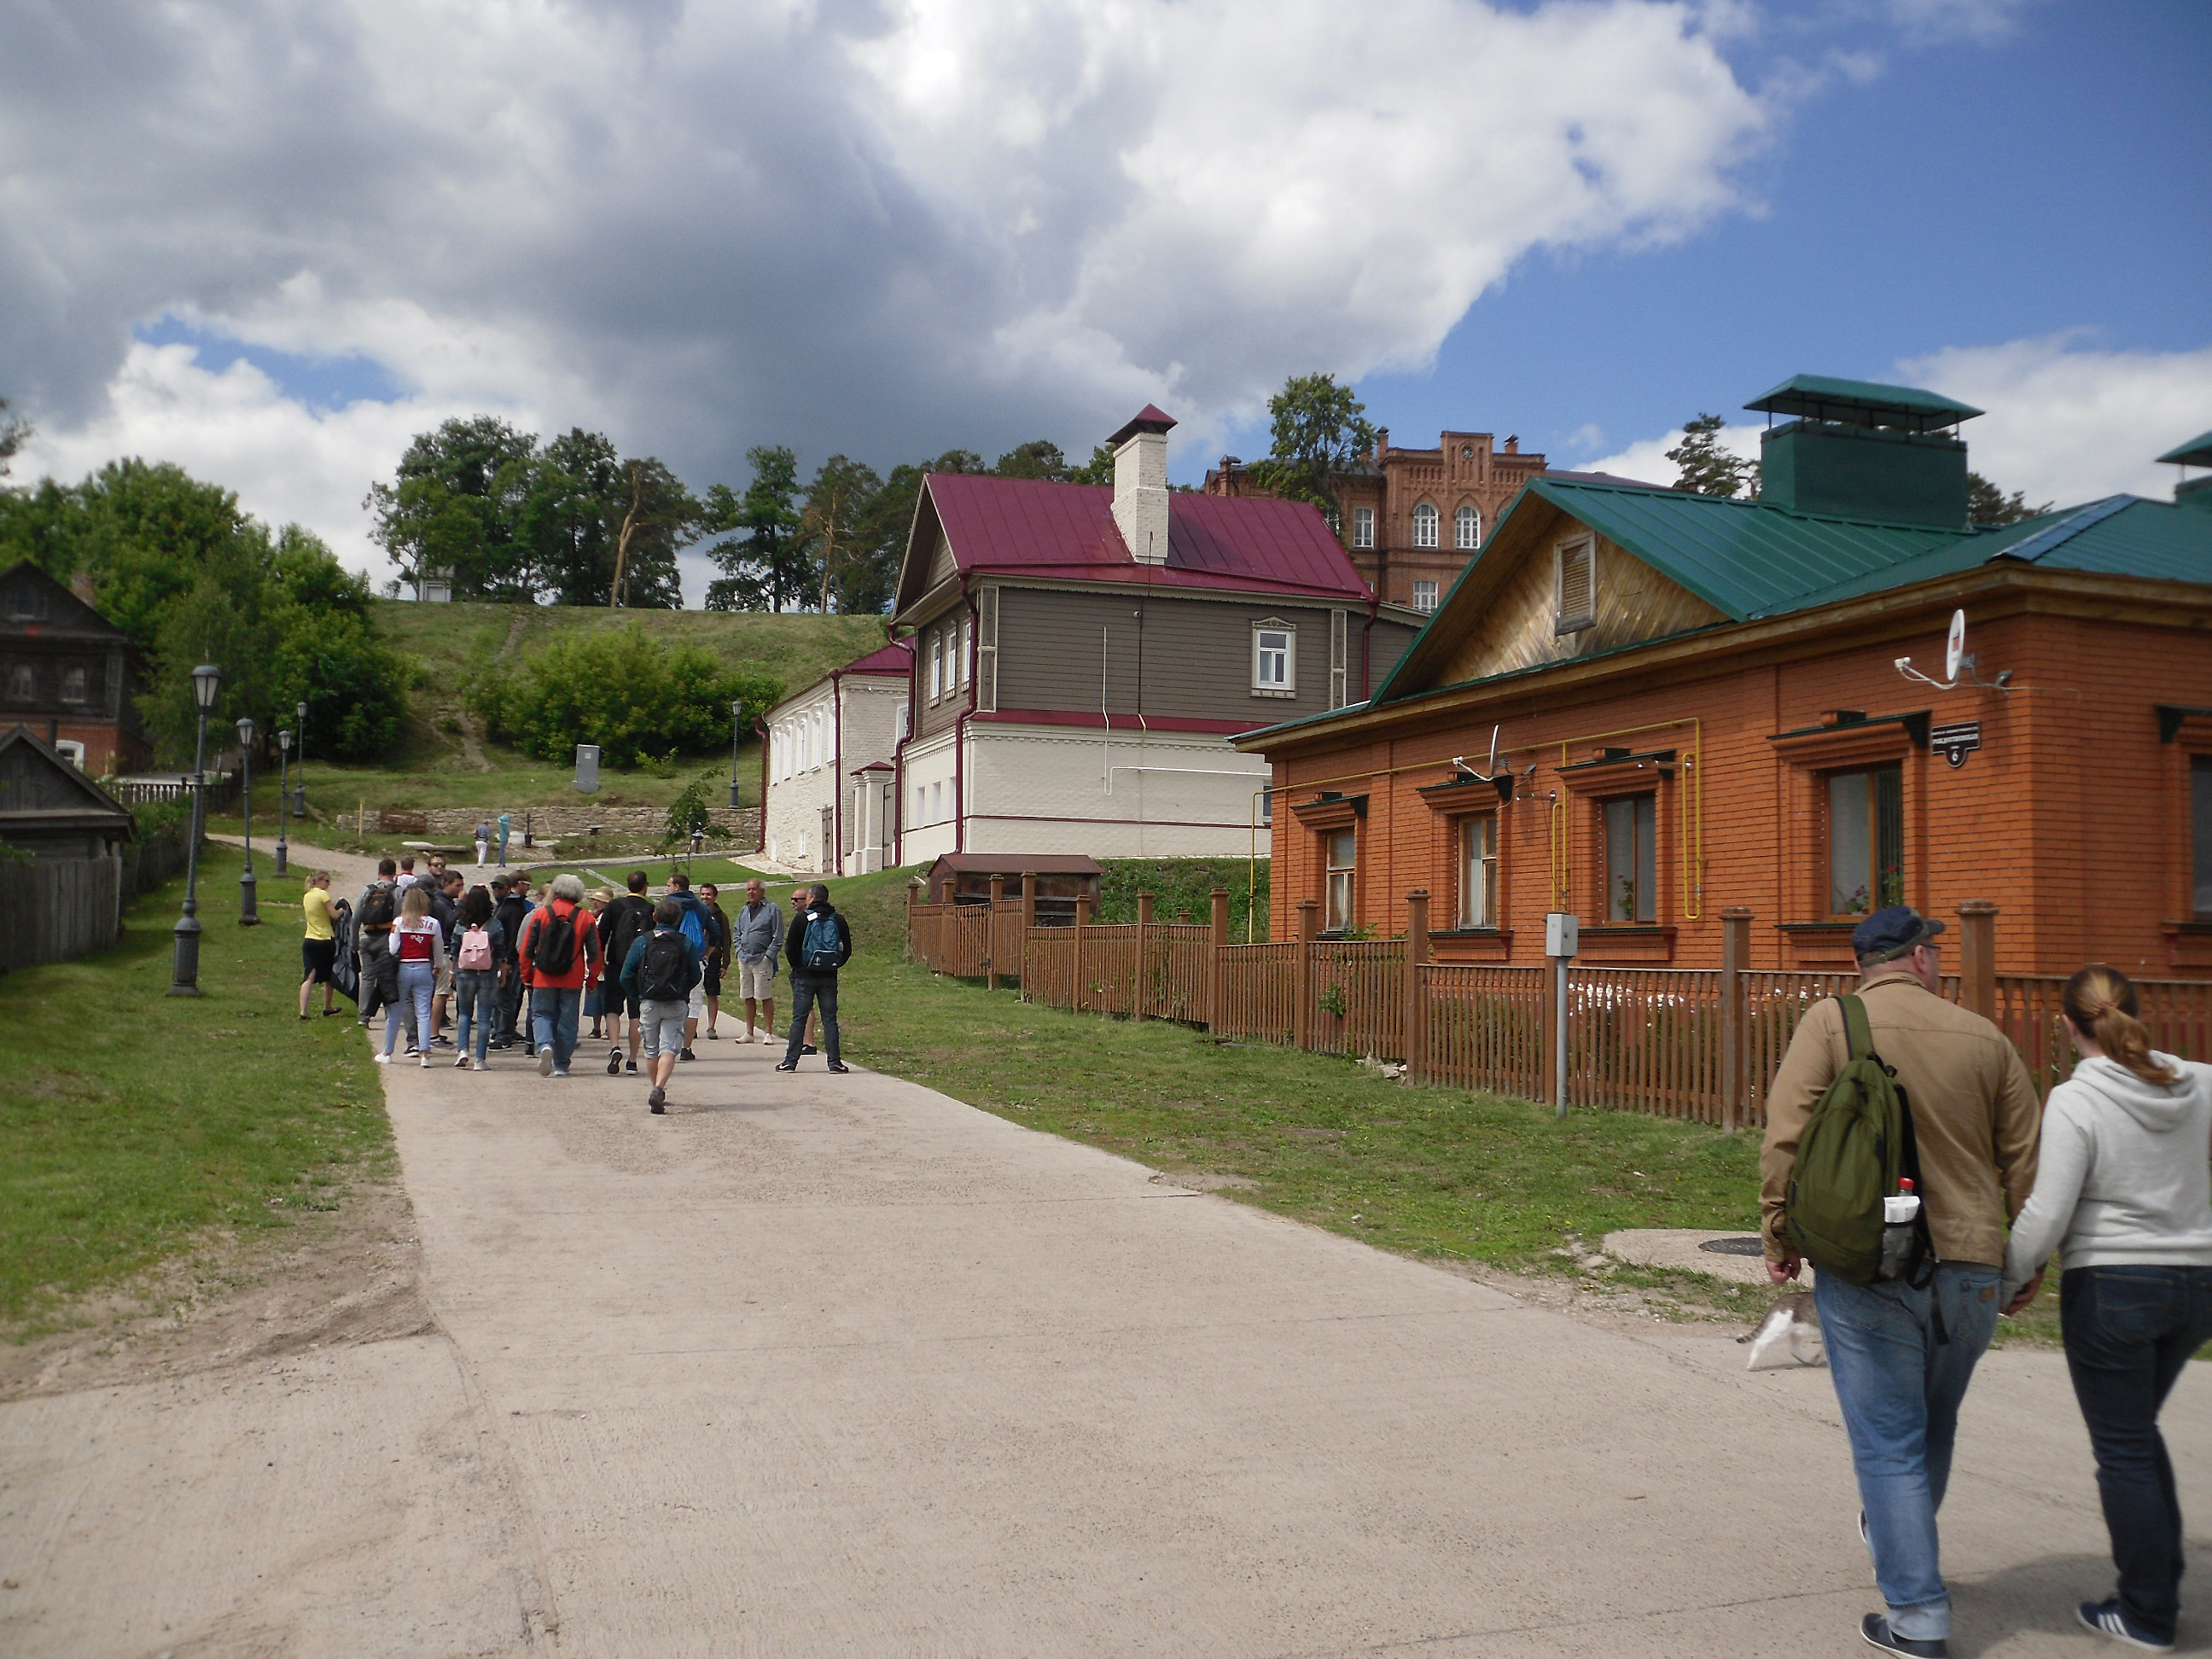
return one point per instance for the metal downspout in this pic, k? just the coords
(760, 730)
(838, 772)
(960, 743)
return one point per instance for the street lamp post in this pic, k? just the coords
(737, 731)
(248, 915)
(184, 976)
(283, 795)
(300, 800)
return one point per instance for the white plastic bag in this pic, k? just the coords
(1789, 1336)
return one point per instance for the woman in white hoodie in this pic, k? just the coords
(2123, 1191)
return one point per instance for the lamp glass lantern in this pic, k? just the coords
(249, 913)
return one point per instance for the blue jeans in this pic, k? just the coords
(810, 991)
(476, 993)
(553, 1011)
(2130, 1331)
(415, 980)
(1899, 1390)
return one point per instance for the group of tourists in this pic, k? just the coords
(478, 970)
(1900, 1095)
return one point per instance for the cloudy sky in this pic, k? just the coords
(271, 240)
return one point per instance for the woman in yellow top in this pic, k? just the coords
(318, 951)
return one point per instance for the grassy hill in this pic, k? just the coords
(444, 758)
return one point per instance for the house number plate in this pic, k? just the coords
(1956, 741)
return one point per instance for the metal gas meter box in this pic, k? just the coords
(1562, 934)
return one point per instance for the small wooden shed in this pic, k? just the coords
(1060, 878)
(61, 886)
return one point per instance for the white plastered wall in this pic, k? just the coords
(1046, 789)
(926, 830)
(869, 707)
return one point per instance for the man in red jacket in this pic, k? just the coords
(561, 948)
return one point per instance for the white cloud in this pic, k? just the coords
(1646, 459)
(2067, 423)
(885, 228)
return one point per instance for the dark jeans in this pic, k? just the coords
(808, 992)
(475, 990)
(379, 976)
(2130, 1331)
(510, 1006)
(554, 1009)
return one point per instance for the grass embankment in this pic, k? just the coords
(136, 1126)
(444, 758)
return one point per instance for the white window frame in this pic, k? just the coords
(1424, 593)
(76, 684)
(1340, 882)
(1284, 657)
(936, 665)
(1425, 525)
(1574, 565)
(1467, 527)
(1477, 871)
(1362, 526)
(967, 647)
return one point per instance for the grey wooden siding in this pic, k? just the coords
(932, 717)
(1197, 654)
(1384, 646)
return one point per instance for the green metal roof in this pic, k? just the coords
(1862, 403)
(2197, 451)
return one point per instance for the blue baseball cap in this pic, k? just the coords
(1889, 934)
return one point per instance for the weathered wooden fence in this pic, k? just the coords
(58, 909)
(1698, 1043)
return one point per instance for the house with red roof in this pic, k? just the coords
(1084, 655)
(827, 802)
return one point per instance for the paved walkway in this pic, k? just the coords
(835, 1365)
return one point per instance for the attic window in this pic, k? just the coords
(1575, 586)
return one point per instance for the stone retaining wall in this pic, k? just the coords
(457, 824)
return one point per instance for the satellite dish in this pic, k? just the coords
(1954, 648)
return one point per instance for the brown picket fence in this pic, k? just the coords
(1698, 1044)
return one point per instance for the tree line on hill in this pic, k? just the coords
(573, 521)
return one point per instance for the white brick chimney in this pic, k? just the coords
(1141, 485)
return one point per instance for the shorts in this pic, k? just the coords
(757, 980)
(697, 1006)
(595, 1003)
(711, 983)
(663, 1025)
(317, 957)
(443, 987)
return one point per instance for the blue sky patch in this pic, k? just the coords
(321, 384)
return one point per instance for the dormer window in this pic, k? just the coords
(1574, 585)
(1425, 526)
(1467, 529)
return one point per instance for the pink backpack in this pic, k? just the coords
(475, 951)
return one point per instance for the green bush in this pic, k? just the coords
(637, 700)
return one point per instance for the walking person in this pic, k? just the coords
(319, 947)
(559, 948)
(374, 915)
(595, 990)
(718, 955)
(695, 929)
(506, 823)
(475, 976)
(758, 941)
(1902, 1350)
(801, 897)
(509, 909)
(2124, 1193)
(420, 951)
(660, 971)
(622, 924)
(484, 843)
(445, 910)
(819, 943)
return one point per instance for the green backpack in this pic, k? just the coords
(1857, 1146)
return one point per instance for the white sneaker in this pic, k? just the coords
(382, 1058)
(426, 1062)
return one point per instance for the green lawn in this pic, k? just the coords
(134, 1126)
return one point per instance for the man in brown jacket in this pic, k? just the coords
(1902, 1355)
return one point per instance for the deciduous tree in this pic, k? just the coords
(762, 562)
(1318, 430)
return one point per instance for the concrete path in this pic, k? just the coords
(835, 1365)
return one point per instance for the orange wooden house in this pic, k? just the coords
(1643, 707)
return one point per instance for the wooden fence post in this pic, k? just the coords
(912, 917)
(1417, 1000)
(1735, 958)
(1217, 962)
(1555, 1033)
(1027, 920)
(1141, 999)
(1081, 997)
(1977, 955)
(991, 934)
(1302, 1015)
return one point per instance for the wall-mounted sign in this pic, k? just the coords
(1956, 741)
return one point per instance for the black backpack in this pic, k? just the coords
(378, 910)
(660, 975)
(554, 952)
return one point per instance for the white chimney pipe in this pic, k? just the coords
(1140, 485)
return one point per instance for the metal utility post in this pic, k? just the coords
(1562, 944)
(1736, 962)
(248, 915)
(1302, 1013)
(737, 735)
(1216, 991)
(1416, 999)
(300, 800)
(185, 974)
(283, 795)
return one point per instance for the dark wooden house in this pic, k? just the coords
(68, 673)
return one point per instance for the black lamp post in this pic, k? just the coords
(283, 795)
(300, 800)
(737, 731)
(248, 916)
(184, 976)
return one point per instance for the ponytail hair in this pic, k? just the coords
(2100, 1001)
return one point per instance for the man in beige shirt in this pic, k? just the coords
(1902, 1354)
